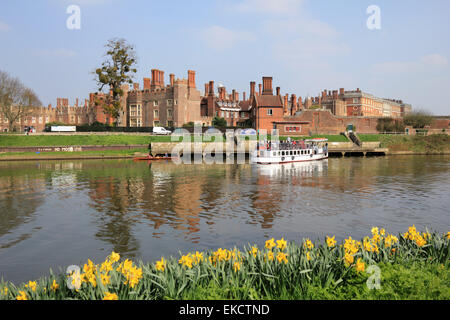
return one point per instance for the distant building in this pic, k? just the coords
(359, 103)
(38, 117)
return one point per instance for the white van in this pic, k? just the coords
(161, 130)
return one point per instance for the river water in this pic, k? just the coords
(57, 213)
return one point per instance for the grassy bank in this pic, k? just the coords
(71, 140)
(105, 140)
(78, 154)
(436, 143)
(413, 265)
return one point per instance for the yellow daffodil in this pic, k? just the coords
(31, 285)
(374, 230)
(114, 257)
(5, 291)
(22, 296)
(282, 257)
(54, 286)
(270, 256)
(281, 244)
(308, 256)
(236, 266)
(360, 266)
(186, 261)
(331, 242)
(270, 243)
(161, 265)
(105, 278)
(448, 235)
(110, 296)
(254, 251)
(308, 244)
(420, 241)
(349, 259)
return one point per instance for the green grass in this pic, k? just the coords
(424, 144)
(71, 140)
(25, 155)
(107, 140)
(414, 265)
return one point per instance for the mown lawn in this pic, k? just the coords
(107, 140)
(110, 153)
(71, 140)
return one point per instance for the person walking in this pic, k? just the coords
(150, 155)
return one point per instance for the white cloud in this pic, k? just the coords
(4, 26)
(270, 6)
(220, 38)
(428, 62)
(434, 60)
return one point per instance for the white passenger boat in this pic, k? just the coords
(290, 151)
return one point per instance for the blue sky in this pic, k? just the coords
(306, 45)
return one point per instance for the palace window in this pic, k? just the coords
(169, 113)
(269, 112)
(155, 103)
(156, 113)
(169, 102)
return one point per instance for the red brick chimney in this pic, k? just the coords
(252, 89)
(222, 92)
(147, 83)
(211, 88)
(206, 89)
(267, 86)
(243, 96)
(191, 79)
(300, 104)
(172, 79)
(161, 78)
(154, 80)
(233, 95)
(341, 91)
(294, 103)
(324, 94)
(260, 89)
(278, 91)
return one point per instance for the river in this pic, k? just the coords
(58, 213)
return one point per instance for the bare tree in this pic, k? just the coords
(16, 100)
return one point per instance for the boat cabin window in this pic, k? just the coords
(274, 154)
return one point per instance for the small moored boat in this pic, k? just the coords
(148, 158)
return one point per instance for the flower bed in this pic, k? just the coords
(381, 266)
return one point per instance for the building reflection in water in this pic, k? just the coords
(192, 202)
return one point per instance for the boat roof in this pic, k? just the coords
(317, 140)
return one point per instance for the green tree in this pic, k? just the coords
(419, 119)
(219, 122)
(116, 70)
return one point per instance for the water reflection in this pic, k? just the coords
(147, 210)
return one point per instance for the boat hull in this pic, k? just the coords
(288, 159)
(151, 158)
